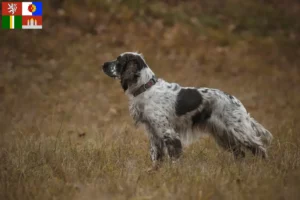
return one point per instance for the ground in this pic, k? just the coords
(65, 126)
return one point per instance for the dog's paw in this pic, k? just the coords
(150, 170)
(174, 162)
(153, 169)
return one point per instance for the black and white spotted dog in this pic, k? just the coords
(172, 114)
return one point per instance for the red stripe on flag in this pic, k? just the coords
(26, 19)
(11, 8)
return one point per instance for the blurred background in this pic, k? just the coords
(247, 48)
(51, 80)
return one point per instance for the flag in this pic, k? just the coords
(11, 22)
(32, 22)
(22, 15)
(32, 8)
(11, 8)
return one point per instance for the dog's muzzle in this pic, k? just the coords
(110, 69)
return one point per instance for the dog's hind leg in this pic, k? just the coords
(236, 132)
(229, 138)
(248, 137)
(229, 144)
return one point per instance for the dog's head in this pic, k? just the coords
(127, 67)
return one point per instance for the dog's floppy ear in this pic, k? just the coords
(130, 74)
(141, 62)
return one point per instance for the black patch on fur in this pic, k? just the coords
(187, 100)
(201, 117)
(205, 91)
(130, 65)
(137, 59)
(124, 84)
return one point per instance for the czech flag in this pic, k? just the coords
(32, 8)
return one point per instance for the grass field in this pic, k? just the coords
(65, 130)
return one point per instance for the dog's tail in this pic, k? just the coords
(264, 134)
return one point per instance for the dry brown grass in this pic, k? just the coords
(65, 128)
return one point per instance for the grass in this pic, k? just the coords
(38, 166)
(65, 127)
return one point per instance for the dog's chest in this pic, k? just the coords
(151, 106)
(136, 110)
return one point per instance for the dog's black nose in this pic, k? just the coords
(105, 66)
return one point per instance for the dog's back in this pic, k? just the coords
(190, 111)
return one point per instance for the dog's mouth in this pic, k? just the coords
(116, 77)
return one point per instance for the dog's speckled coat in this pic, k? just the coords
(173, 114)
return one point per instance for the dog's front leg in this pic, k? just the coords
(173, 144)
(156, 151)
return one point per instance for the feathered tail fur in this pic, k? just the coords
(265, 136)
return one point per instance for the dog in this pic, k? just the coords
(172, 113)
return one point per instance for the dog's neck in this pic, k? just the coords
(146, 75)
